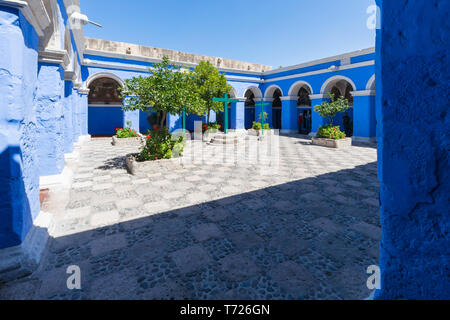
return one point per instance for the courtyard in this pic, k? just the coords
(307, 229)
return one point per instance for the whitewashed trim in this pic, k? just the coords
(289, 98)
(371, 83)
(78, 34)
(39, 21)
(312, 73)
(256, 91)
(84, 91)
(102, 74)
(56, 56)
(336, 79)
(362, 93)
(325, 60)
(298, 85)
(244, 79)
(318, 96)
(270, 88)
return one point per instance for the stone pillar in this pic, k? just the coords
(289, 120)
(133, 117)
(50, 119)
(413, 147)
(364, 116)
(317, 120)
(212, 116)
(84, 93)
(75, 115)
(237, 116)
(68, 117)
(19, 179)
(174, 122)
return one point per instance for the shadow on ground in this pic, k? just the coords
(291, 241)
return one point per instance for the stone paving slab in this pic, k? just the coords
(305, 229)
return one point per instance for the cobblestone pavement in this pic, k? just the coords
(211, 231)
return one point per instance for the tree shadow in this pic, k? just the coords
(114, 163)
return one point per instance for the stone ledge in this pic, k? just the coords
(330, 143)
(127, 141)
(21, 261)
(63, 180)
(134, 167)
(258, 133)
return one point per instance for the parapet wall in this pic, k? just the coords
(98, 46)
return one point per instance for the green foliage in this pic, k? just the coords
(211, 126)
(330, 132)
(161, 144)
(257, 126)
(209, 84)
(168, 89)
(262, 118)
(329, 109)
(123, 133)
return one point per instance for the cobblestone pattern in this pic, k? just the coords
(307, 231)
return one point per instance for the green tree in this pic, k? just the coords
(329, 109)
(210, 83)
(168, 89)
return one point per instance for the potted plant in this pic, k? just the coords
(161, 150)
(126, 136)
(257, 127)
(330, 135)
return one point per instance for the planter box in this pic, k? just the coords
(139, 141)
(330, 143)
(258, 133)
(149, 167)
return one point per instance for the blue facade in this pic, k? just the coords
(44, 110)
(19, 177)
(412, 85)
(103, 120)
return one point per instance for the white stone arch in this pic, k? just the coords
(99, 75)
(271, 90)
(233, 93)
(256, 91)
(293, 91)
(371, 83)
(328, 85)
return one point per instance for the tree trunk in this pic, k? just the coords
(163, 119)
(207, 118)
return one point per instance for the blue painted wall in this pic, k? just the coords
(103, 120)
(68, 115)
(249, 117)
(144, 126)
(19, 179)
(414, 144)
(50, 119)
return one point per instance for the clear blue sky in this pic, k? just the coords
(272, 32)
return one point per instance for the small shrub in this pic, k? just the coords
(161, 144)
(123, 133)
(330, 132)
(257, 126)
